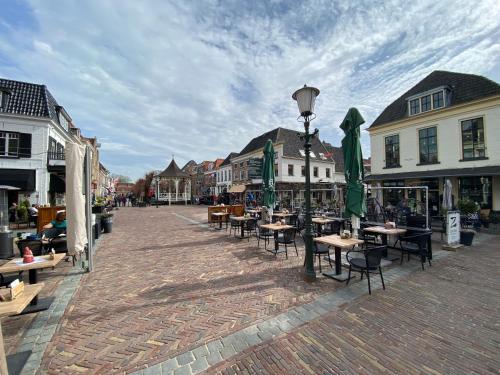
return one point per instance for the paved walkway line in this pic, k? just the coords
(188, 219)
(45, 324)
(201, 358)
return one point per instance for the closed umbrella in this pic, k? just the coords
(378, 199)
(353, 167)
(75, 200)
(268, 181)
(447, 201)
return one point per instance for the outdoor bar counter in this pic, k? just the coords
(236, 210)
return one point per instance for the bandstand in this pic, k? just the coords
(173, 185)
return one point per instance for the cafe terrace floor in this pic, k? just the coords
(168, 294)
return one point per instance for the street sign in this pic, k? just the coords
(453, 227)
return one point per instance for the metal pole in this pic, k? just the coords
(310, 274)
(157, 190)
(88, 207)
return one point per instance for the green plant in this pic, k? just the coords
(467, 206)
(22, 213)
(100, 201)
(25, 203)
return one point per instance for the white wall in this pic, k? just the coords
(39, 131)
(449, 138)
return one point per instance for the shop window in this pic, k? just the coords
(477, 188)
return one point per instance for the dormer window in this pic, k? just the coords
(4, 96)
(427, 101)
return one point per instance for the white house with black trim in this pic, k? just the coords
(445, 127)
(34, 129)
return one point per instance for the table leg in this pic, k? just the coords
(337, 273)
(276, 244)
(36, 305)
(220, 223)
(386, 254)
(33, 279)
(3, 360)
(242, 228)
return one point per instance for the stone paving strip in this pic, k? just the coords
(214, 352)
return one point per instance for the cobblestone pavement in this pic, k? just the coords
(163, 284)
(169, 295)
(445, 320)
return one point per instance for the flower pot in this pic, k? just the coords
(97, 230)
(107, 224)
(466, 238)
(97, 209)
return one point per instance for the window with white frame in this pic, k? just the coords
(9, 144)
(427, 102)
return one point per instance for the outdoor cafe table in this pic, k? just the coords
(220, 216)
(275, 227)
(16, 265)
(242, 220)
(320, 221)
(339, 244)
(384, 232)
(15, 307)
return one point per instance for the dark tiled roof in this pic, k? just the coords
(464, 88)
(338, 156)
(227, 160)
(28, 99)
(188, 165)
(173, 171)
(292, 143)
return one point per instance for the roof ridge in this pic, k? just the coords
(24, 82)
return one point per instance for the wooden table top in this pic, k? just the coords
(275, 226)
(281, 214)
(321, 220)
(335, 240)
(254, 211)
(242, 218)
(8, 308)
(15, 266)
(220, 213)
(382, 230)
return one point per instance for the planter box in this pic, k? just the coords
(466, 238)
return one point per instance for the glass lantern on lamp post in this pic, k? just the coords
(305, 98)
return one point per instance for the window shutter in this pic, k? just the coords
(24, 145)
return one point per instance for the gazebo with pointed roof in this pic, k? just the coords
(164, 184)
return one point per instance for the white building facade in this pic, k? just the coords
(33, 132)
(445, 127)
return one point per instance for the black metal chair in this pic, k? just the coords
(36, 246)
(331, 228)
(264, 234)
(292, 220)
(320, 250)
(416, 244)
(300, 225)
(250, 227)
(286, 239)
(369, 239)
(59, 244)
(233, 225)
(367, 262)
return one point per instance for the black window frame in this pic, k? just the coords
(303, 171)
(392, 161)
(425, 155)
(328, 173)
(290, 169)
(315, 172)
(474, 135)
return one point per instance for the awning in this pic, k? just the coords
(24, 179)
(464, 172)
(57, 184)
(237, 189)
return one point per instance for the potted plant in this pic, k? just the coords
(107, 222)
(469, 212)
(98, 206)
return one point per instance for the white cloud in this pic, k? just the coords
(152, 79)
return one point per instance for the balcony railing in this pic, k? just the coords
(54, 155)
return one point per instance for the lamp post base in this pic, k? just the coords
(309, 277)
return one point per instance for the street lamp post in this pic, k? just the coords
(157, 190)
(305, 98)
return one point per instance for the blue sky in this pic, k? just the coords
(199, 79)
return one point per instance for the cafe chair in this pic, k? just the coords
(36, 246)
(292, 220)
(331, 228)
(249, 227)
(264, 234)
(300, 226)
(366, 261)
(416, 244)
(320, 250)
(286, 239)
(234, 225)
